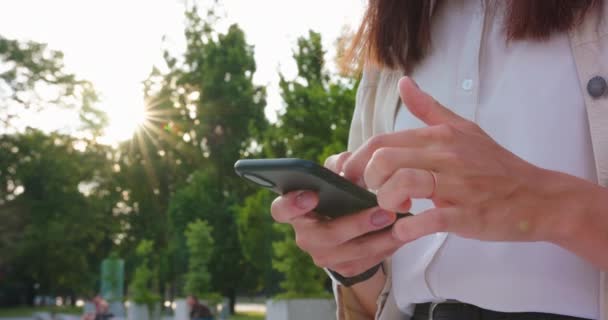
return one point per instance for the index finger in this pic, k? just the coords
(354, 167)
(336, 161)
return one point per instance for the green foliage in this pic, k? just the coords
(313, 126)
(56, 224)
(219, 108)
(302, 277)
(200, 247)
(201, 199)
(34, 76)
(256, 234)
(318, 111)
(169, 194)
(248, 316)
(143, 286)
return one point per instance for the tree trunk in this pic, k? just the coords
(30, 294)
(232, 299)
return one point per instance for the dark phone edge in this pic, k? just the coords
(309, 167)
(303, 166)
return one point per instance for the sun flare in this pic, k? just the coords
(125, 122)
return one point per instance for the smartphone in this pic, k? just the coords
(337, 195)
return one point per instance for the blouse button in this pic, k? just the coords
(467, 84)
(596, 87)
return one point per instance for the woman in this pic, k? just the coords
(497, 145)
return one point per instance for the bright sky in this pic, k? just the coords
(115, 43)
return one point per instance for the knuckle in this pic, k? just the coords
(375, 171)
(376, 142)
(342, 157)
(322, 261)
(444, 132)
(451, 159)
(384, 199)
(424, 134)
(302, 241)
(391, 198)
(406, 177)
(380, 158)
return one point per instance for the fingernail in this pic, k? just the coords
(305, 200)
(381, 218)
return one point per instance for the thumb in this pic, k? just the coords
(423, 106)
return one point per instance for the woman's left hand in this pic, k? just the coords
(480, 189)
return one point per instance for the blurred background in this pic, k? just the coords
(120, 122)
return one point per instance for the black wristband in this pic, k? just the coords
(349, 281)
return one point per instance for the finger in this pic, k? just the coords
(385, 161)
(431, 221)
(404, 184)
(294, 204)
(370, 245)
(423, 106)
(336, 161)
(419, 139)
(330, 233)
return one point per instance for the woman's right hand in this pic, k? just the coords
(345, 244)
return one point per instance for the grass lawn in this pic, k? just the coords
(248, 316)
(19, 312)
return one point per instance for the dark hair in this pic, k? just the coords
(397, 33)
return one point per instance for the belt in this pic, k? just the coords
(453, 310)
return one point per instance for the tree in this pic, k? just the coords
(200, 247)
(144, 282)
(33, 78)
(56, 214)
(201, 199)
(220, 109)
(314, 125)
(256, 235)
(57, 226)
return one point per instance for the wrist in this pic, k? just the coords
(353, 280)
(379, 278)
(568, 203)
(368, 292)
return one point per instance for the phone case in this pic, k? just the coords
(337, 195)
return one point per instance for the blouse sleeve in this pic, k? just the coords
(348, 306)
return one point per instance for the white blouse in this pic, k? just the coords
(508, 89)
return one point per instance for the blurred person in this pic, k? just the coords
(102, 310)
(489, 121)
(198, 311)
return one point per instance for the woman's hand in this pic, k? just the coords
(342, 244)
(480, 189)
